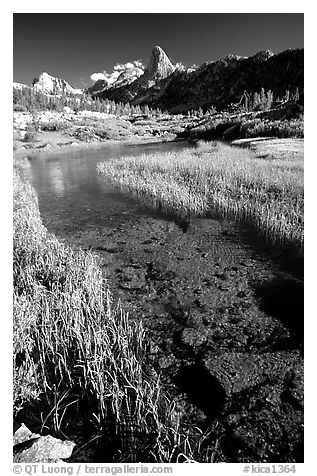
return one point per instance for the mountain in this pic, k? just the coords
(127, 77)
(98, 87)
(51, 85)
(159, 67)
(216, 84)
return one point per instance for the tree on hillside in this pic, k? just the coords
(269, 100)
(262, 101)
(256, 103)
(296, 95)
(147, 110)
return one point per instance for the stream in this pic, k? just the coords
(223, 310)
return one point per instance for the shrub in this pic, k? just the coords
(267, 128)
(19, 108)
(54, 125)
(30, 133)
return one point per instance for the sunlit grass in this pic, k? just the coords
(217, 178)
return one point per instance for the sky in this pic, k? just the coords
(74, 46)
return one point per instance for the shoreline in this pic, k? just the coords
(60, 132)
(57, 133)
(53, 149)
(60, 149)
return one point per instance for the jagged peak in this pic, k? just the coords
(159, 66)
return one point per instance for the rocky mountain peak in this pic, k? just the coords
(128, 76)
(263, 55)
(51, 85)
(159, 66)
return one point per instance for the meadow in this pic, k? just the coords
(215, 179)
(79, 360)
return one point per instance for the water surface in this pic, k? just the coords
(71, 194)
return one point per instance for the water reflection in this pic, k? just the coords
(57, 181)
(73, 196)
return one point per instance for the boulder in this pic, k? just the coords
(42, 449)
(23, 434)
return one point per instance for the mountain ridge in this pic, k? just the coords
(218, 83)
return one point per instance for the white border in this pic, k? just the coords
(165, 6)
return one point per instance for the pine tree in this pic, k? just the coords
(147, 110)
(263, 99)
(127, 109)
(269, 100)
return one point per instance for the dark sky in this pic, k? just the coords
(73, 46)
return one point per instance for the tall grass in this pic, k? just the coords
(218, 178)
(78, 354)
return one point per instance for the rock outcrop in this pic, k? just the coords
(159, 66)
(51, 85)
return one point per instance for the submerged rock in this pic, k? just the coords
(237, 371)
(132, 278)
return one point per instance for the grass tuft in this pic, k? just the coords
(217, 178)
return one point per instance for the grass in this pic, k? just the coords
(217, 178)
(82, 358)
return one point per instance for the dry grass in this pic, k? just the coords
(216, 178)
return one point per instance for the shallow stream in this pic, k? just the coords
(223, 310)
